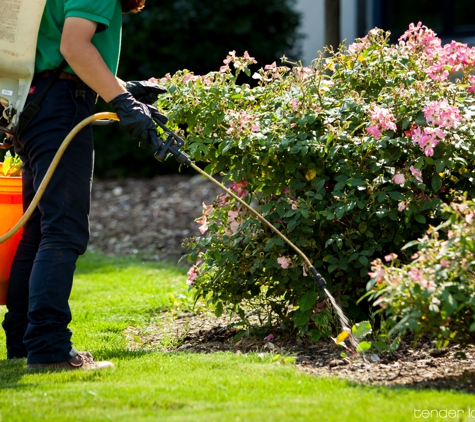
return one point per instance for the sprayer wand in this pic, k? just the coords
(172, 146)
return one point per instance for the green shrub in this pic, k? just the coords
(435, 293)
(351, 158)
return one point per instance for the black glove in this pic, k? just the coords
(144, 91)
(136, 120)
(157, 116)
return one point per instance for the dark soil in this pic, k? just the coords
(150, 218)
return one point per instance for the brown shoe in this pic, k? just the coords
(83, 360)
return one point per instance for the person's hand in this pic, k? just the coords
(136, 119)
(144, 91)
(157, 116)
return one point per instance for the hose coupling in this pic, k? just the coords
(320, 280)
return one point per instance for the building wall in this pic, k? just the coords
(313, 25)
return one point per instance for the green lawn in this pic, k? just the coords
(110, 295)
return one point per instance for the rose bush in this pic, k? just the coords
(351, 158)
(435, 293)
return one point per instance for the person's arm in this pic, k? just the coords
(85, 59)
(135, 117)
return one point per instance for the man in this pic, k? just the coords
(87, 34)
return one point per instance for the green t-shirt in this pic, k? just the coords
(107, 13)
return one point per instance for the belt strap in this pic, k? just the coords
(32, 109)
(62, 75)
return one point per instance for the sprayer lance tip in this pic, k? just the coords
(319, 278)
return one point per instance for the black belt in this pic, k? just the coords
(62, 75)
(68, 77)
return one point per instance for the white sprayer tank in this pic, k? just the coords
(19, 25)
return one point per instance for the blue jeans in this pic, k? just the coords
(36, 324)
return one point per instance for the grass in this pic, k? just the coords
(110, 295)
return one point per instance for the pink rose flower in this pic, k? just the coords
(374, 131)
(284, 261)
(399, 179)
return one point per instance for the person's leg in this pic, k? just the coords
(63, 213)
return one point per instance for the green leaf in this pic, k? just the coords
(439, 166)
(307, 301)
(421, 120)
(267, 207)
(314, 335)
(6, 165)
(355, 182)
(450, 303)
(292, 224)
(318, 185)
(340, 212)
(363, 260)
(409, 244)
(301, 318)
(367, 252)
(339, 186)
(420, 218)
(218, 310)
(239, 335)
(397, 196)
(363, 347)
(341, 178)
(361, 329)
(436, 182)
(395, 344)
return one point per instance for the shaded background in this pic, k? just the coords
(170, 35)
(450, 19)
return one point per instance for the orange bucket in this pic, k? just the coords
(11, 210)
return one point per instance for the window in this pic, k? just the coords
(450, 19)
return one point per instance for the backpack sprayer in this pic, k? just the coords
(18, 37)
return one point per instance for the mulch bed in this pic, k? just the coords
(421, 366)
(150, 218)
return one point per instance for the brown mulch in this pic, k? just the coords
(150, 218)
